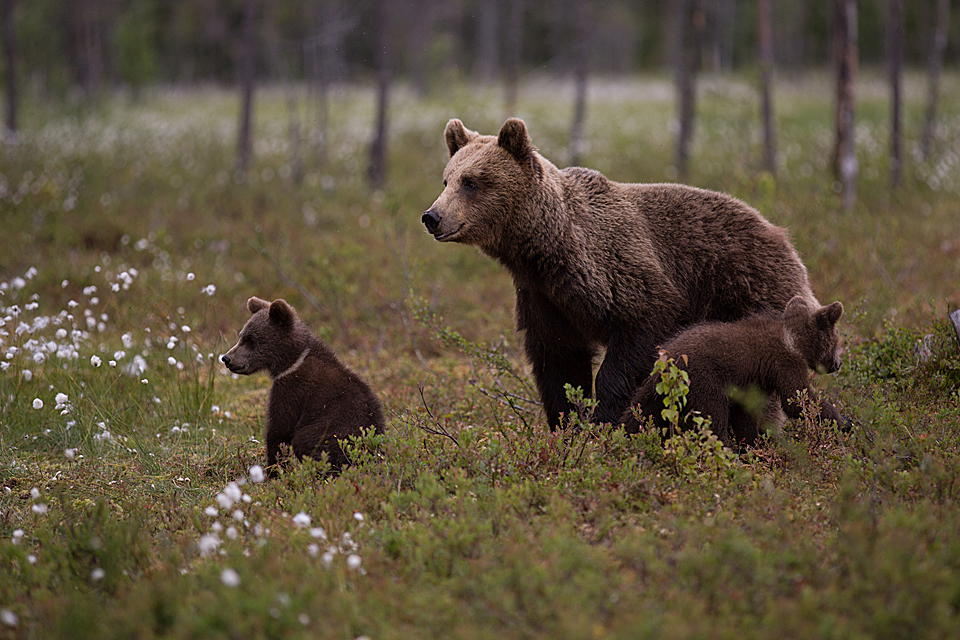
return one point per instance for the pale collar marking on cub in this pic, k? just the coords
(790, 342)
(294, 366)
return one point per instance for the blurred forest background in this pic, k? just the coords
(88, 45)
(56, 50)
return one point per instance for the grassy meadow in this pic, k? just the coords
(129, 505)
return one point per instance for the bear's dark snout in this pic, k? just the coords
(431, 219)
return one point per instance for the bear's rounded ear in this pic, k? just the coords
(254, 304)
(282, 313)
(457, 136)
(513, 137)
(827, 316)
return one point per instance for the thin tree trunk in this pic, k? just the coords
(514, 43)
(689, 18)
(934, 66)
(581, 67)
(10, 56)
(847, 63)
(248, 60)
(765, 20)
(376, 171)
(895, 53)
(419, 43)
(486, 58)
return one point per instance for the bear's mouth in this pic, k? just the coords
(445, 237)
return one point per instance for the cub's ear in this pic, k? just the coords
(827, 316)
(457, 136)
(282, 314)
(513, 137)
(798, 306)
(254, 304)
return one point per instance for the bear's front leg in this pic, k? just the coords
(555, 365)
(628, 361)
(556, 350)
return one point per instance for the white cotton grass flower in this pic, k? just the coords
(17, 536)
(210, 290)
(35, 493)
(70, 454)
(95, 360)
(256, 474)
(230, 578)
(211, 511)
(62, 399)
(318, 532)
(9, 618)
(354, 561)
(27, 375)
(358, 516)
(327, 557)
(301, 520)
(39, 508)
(37, 403)
(208, 543)
(98, 574)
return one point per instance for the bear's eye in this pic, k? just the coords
(469, 184)
(444, 183)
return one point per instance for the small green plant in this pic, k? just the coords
(694, 449)
(673, 386)
(583, 407)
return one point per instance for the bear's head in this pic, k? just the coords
(266, 340)
(814, 333)
(486, 182)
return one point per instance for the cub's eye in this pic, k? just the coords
(444, 183)
(469, 184)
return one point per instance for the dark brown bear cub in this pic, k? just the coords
(771, 351)
(601, 264)
(315, 400)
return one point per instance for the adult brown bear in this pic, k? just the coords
(596, 263)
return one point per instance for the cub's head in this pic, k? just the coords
(814, 333)
(486, 180)
(265, 342)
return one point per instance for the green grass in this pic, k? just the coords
(468, 518)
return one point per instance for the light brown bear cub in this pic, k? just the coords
(601, 264)
(771, 351)
(315, 400)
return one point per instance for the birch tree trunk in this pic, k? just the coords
(376, 170)
(514, 42)
(9, 8)
(765, 23)
(581, 68)
(847, 65)
(895, 55)
(248, 61)
(689, 24)
(934, 66)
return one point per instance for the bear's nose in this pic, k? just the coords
(432, 220)
(224, 359)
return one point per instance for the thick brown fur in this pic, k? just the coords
(315, 400)
(596, 263)
(772, 352)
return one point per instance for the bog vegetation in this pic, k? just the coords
(133, 504)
